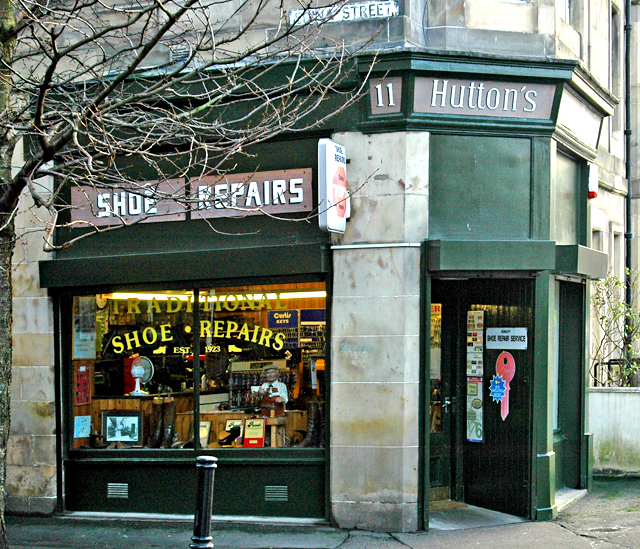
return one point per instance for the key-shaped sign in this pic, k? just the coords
(506, 369)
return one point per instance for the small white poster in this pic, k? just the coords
(475, 364)
(507, 338)
(475, 427)
(436, 338)
(84, 327)
(475, 320)
(82, 427)
(475, 343)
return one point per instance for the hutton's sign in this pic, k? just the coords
(437, 95)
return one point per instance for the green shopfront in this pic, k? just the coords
(175, 327)
(436, 350)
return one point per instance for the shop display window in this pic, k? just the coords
(247, 366)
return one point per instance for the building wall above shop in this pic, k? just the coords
(480, 188)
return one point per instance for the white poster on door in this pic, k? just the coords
(475, 428)
(507, 338)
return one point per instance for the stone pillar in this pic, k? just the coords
(375, 334)
(31, 452)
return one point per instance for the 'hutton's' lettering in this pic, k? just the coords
(475, 96)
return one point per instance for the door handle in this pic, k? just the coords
(448, 402)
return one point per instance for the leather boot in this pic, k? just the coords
(313, 425)
(155, 438)
(168, 418)
(320, 438)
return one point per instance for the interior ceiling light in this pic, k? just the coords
(228, 297)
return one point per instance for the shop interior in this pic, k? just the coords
(258, 379)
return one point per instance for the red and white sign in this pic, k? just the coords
(334, 202)
(254, 430)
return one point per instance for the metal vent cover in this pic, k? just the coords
(276, 493)
(119, 490)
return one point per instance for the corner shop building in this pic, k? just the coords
(473, 223)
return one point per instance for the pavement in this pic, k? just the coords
(606, 518)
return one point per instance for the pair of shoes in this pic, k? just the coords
(118, 446)
(230, 439)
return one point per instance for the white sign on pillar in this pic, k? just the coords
(334, 202)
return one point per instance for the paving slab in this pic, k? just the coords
(606, 518)
(523, 535)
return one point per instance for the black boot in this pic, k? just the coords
(313, 426)
(168, 419)
(234, 433)
(155, 438)
(321, 426)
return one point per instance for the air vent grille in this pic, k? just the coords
(276, 493)
(119, 490)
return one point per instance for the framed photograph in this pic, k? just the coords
(123, 426)
(231, 423)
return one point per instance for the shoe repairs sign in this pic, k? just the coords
(230, 195)
(507, 338)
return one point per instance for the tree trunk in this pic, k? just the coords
(7, 243)
(6, 251)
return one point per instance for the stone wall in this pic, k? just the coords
(616, 445)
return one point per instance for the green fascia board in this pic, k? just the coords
(411, 64)
(185, 267)
(426, 60)
(447, 123)
(490, 255)
(582, 261)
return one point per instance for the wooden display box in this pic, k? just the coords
(295, 420)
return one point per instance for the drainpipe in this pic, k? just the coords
(627, 145)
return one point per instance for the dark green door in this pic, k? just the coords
(444, 353)
(493, 473)
(568, 383)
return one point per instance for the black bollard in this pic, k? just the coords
(201, 538)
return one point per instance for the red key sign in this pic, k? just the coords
(506, 369)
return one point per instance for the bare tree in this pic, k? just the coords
(177, 85)
(615, 331)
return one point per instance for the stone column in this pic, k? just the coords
(31, 451)
(375, 334)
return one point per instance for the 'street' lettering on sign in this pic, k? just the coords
(483, 98)
(507, 338)
(235, 195)
(346, 12)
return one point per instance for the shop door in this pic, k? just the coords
(443, 396)
(480, 453)
(568, 388)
